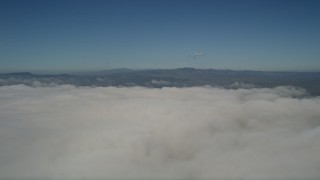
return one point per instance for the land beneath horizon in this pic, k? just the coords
(180, 77)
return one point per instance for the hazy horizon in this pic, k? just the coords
(44, 72)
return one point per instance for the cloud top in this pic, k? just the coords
(200, 132)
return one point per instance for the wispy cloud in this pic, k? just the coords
(197, 55)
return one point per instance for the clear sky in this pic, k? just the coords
(62, 35)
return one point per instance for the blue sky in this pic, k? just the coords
(80, 35)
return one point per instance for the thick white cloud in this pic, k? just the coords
(204, 132)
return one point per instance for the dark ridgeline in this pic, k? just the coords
(181, 77)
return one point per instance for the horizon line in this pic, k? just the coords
(143, 69)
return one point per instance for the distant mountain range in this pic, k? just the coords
(181, 77)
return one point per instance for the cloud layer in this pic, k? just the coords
(109, 132)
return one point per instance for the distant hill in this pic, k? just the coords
(18, 74)
(106, 72)
(181, 77)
